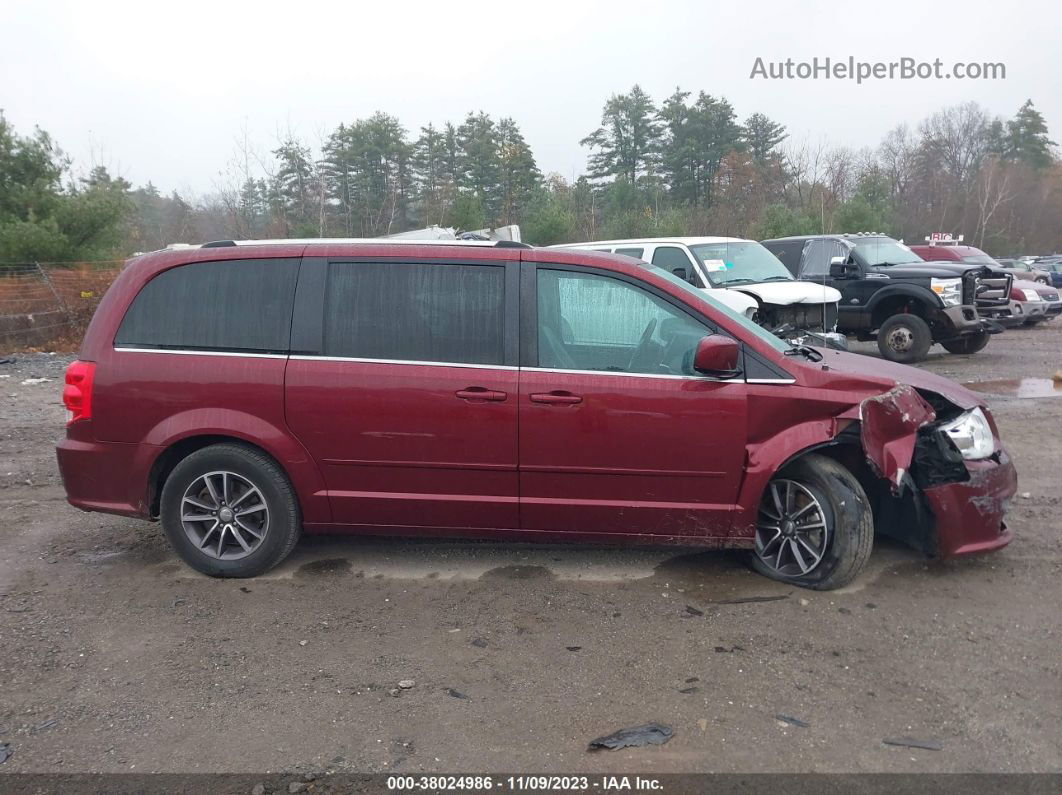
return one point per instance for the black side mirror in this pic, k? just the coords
(682, 273)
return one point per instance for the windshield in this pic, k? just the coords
(979, 259)
(776, 343)
(885, 251)
(739, 263)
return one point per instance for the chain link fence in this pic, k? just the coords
(49, 305)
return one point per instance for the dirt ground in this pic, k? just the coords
(116, 657)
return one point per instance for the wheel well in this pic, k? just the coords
(897, 305)
(902, 518)
(177, 452)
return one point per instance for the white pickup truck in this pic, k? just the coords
(742, 275)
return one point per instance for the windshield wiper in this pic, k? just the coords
(740, 280)
(777, 279)
(805, 351)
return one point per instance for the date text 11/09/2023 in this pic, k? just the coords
(481, 783)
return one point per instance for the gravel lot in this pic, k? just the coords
(115, 657)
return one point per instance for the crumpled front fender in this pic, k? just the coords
(889, 425)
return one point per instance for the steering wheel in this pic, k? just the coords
(643, 343)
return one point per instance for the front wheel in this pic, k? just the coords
(815, 527)
(904, 338)
(970, 344)
(229, 511)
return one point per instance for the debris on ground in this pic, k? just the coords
(693, 611)
(34, 381)
(693, 679)
(913, 742)
(634, 737)
(406, 684)
(479, 643)
(6, 752)
(687, 690)
(48, 724)
(573, 648)
(803, 724)
(731, 650)
(751, 600)
(455, 693)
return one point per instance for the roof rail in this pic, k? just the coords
(347, 240)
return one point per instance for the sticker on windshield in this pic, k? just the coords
(714, 265)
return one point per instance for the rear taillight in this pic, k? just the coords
(77, 394)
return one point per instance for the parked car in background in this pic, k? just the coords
(730, 266)
(1053, 267)
(975, 256)
(889, 294)
(1040, 302)
(1020, 269)
(243, 393)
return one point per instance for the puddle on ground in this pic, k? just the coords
(517, 572)
(712, 575)
(324, 566)
(1018, 387)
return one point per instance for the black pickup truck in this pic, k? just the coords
(890, 294)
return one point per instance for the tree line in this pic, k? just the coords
(686, 165)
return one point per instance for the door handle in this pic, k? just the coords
(558, 397)
(481, 393)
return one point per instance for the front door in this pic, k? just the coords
(618, 435)
(409, 403)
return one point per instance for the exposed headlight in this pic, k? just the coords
(949, 290)
(972, 434)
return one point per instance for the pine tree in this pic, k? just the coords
(519, 175)
(430, 175)
(627, 142)
(478, 166)
(761, 136)
(1026, 138)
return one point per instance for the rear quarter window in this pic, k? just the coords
(228, 305)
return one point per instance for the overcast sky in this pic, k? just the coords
(162, 91)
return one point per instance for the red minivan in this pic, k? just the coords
(243, 393)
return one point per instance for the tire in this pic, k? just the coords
(846, 540)
(967, 345)
(256, 539)
(904, 338)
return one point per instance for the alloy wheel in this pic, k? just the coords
(224, 515)
(792, 533)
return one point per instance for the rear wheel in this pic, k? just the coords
(815, 527)
(970, 344)
(229, 511)
(904, 338)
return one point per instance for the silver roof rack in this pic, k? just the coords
(348, 240)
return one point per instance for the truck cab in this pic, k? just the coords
(889, 294)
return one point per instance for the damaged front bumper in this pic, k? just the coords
(939, 502)
(969, 517)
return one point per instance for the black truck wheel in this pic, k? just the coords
(904, 338)
(967, 345)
